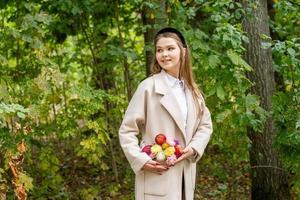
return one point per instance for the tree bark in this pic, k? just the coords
(126, 73)
(104, 79)
(153, 19)
(269, 179)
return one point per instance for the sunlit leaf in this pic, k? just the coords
(26, 180)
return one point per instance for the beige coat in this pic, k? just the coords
(152, 110)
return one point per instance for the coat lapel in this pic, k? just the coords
(168, 101)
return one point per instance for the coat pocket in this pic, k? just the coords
(156, 184)
(155, 197)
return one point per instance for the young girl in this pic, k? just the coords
(167, 102)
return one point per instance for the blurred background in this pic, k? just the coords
(69, 67)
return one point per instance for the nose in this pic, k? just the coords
(164, 54)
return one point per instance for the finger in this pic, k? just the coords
(181, 158)
(155, 166)
(150, 165)
(164, 164)
(188, 151)
(152, 162)
(161, 168)
(156, 169)
(151, 168)
(185, 150)
(171, 164)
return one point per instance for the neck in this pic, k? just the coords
(174, 74)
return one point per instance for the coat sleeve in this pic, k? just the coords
(133, 123)
(202, 134)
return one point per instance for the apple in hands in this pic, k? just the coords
(160, 139)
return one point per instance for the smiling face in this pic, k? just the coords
(168, 55)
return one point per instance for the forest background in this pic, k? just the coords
(69, 67)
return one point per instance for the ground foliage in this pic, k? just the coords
(61, 62)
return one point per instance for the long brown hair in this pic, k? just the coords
(185, 70)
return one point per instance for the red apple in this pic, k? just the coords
(160, 139)
(147, 149)
(178, 150)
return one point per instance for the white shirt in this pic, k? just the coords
(177, 88)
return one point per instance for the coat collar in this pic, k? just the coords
(171, 105)
(172, 81)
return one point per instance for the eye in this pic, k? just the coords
(171, 48)
(159, 50)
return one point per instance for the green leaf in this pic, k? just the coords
(298, 124)
(3, 60)
(26, 180)
(266, 45)
(291, 52)
(211, 92)
(237, 60)
(220, 92)
(252, 102)
(223, 115)
(21, 115)
(1, 172)
(233, 57)
(213, 61)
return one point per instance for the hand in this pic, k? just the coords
(155, 167)
(187, 152)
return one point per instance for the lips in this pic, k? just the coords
(164, 61)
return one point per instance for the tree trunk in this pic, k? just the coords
(103, 78)
(126, 73)
(269, 180)
(153, 19)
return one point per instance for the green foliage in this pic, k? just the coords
(3, 184)
(62, 74)
(26, 181)
(47, 176)
(89, 193)
(237, 60)
(287, 99)
(286, 22)
(9, 110)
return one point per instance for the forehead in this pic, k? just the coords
(165, 41)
